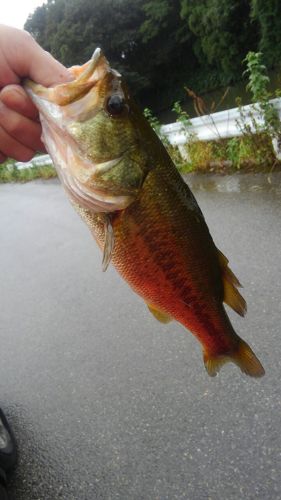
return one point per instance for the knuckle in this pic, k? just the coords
(15, 126)
(27, 37)
(9, 92)
(27, 40)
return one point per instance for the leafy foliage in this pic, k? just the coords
(223, 33)
(268, 15)
(258, 86)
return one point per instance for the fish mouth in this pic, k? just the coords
(84, 78)
(58, 106)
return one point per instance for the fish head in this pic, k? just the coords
(95, 135)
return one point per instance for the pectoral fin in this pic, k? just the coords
(161, 316)
(232, 297)
(108, 242)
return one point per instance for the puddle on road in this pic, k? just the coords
(236, 183)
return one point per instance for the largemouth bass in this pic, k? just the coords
(125, 186)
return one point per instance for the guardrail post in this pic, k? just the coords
(184, 152)
(276, 143)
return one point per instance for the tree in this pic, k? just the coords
(268, 15)
(224, 33)
(168, 41)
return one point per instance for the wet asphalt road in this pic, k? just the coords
(107, 403)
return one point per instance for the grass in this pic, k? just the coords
(250, 152)
(247, 153)
(10, 173)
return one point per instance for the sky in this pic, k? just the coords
(15, 12)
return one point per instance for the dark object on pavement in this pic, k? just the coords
(8, 454)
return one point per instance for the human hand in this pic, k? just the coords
(21, 57)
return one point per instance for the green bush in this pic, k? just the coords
(10, 173)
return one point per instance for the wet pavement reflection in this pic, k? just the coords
(239, 183)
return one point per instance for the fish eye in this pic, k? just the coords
(115, 105)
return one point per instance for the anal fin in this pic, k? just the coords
(232, 297)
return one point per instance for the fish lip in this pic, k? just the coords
(93, 63)
(96, 54)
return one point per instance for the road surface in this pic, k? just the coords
(107, 403)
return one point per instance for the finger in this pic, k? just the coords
(2, 158)
(24, 130)
(14, 149)
(15, 97)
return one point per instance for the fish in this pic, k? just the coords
(122, 182)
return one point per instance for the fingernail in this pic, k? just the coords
(13, 89)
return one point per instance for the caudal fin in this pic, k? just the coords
(243, 356)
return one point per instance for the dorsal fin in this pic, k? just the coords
(232, 297)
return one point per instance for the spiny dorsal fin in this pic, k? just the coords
(232, 297)
(161, 316)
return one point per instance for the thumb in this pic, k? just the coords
(25, 58)
(45, 69)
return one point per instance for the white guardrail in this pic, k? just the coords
(38, 161)
(219, 125)
(223, 124)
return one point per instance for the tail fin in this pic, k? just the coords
(243, 357)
